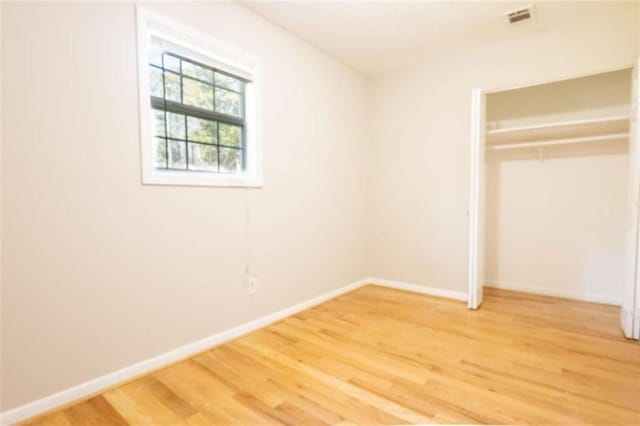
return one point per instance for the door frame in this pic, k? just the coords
(630, 309)
(477, 193)
(476, 199)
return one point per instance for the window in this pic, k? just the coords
(197, 109)
(198, 116)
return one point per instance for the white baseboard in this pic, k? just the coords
(99, 384)
(417, 288)
(567, 294)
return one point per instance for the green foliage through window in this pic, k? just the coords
(198, 116)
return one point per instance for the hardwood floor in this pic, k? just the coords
(378, 355)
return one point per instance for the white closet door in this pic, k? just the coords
(630, 320)
(477, 200)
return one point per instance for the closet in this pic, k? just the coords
(554, 191)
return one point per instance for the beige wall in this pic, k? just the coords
(558, 227)
(419, 139)
(99, 271)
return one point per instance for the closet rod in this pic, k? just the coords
(565, 141)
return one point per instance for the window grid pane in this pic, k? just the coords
(228, 82)
(230, 160)
(172, 86)
(160, 153)
(204, 157)
(177, 154)
(197, 94)
(195, 143)
(171, 62)
(228, 102)
(224, 86)
(197, 72)
(192, 143)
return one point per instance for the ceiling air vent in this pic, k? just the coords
(518, 15)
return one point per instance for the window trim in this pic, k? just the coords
(213, 53)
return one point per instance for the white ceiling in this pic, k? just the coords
(378, 36)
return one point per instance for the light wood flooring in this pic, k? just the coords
(378, 355)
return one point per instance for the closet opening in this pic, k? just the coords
(555, 185)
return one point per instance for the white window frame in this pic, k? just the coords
(220, 56)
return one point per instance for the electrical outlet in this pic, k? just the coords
(252, 285)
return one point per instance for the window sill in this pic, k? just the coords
(197, 179)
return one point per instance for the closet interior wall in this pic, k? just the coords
(555, 221)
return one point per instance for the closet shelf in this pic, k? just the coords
(565, 141)
(602, 128)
